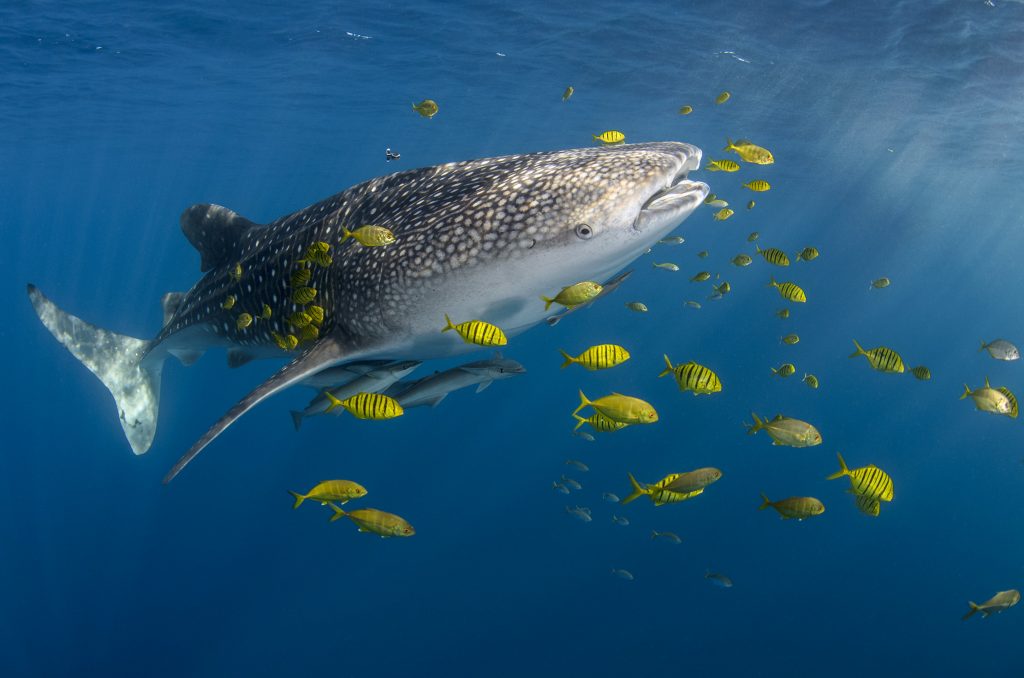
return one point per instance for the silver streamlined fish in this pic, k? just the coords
(432, 389)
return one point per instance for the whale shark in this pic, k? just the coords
(478, 239)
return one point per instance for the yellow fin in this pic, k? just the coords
(547, 301)
(667, 370)
(859, 351)
(569, 360)
(299, 498)
(449, 326)
(338, 513)
(335, 403)
(843, 470)
(638, 490)
(765, 503)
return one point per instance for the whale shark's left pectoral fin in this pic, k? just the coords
(325, 353)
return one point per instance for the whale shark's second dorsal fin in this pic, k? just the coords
(215, 232)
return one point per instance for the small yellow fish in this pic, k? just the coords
(285, 342)
(376, 406)
(750, 205)
(881, 358)
(703, 254)
(637, 306)
(304, 295)
(782, 313)
(742, 260)
(610, 137)
(599, 423)
(666, 266)
(694, 377)
(243, 321)
(341, 491)
(881, 283)
(749, 152)
(229, 303)
(807, 254)
(686, 110)
(300, 277)
(316, 314)
(369, 235)
(720, 290)
(758, 185)
(810, 380)
(786, 431)
(723, 214)
(867, 481)
(378, 522)
(701, 277)
(674, 487)
(477, 332)
(1003, 600)
(791, 339)
(794, 507)
(1012, 400)
(427, 108)
(574, 295)
(568, 93)
(921, 372)
(309, 333)
(300, 319)
(773, 256)
(722, 98)
(622, 408)
(265, 313)
(600, 357)
(753, 236)
(789, 291)
(988, 399)
(318, 253)
(722, 166)
(784, 370)
(236, 272)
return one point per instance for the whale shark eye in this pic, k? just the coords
(584, 232)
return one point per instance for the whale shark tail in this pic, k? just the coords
(115, 359)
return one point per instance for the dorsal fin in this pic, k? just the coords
(215, 232)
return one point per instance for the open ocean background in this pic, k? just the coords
(897, 129)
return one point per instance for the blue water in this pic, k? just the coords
(896, 128)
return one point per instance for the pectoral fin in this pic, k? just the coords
(323, 354)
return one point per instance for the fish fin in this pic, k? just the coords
(484, 384)
(299, 498)
(772, 283)
(843, 470)
(583, 403)
(186, 358)
(638, 490)
(216, 232)
(338, 513)
(553, 320)
(323, 354)
(667, 370)
(434, 402)
(345, 234)
(729, 146)
(449, 325)
(238, 357)
(580, 421)
(335, 403)
(970, 612)
(967, 392)
(569, 360)
(983, 345)
(297, 419)
(498, 355)
(765, 502)
(547, 301)
(118, 361)
(859, 351)
(987, 385)
(756, 426)
(654, 534)
(170, 303)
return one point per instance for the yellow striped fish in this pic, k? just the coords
(758, 185)
(309, 333)
(599, 423)
(921, 372)
(304, 295)
(722, 166)
(793, 507)
(773, 256)
(750, 152)
(244, 320)
(723, 214)
(600, 357)
(807, 254)
(364, 405)
(376, 521)
(236, 272)
(300, 319)
(657, 492)
(316, 314)
(330, 490)
(265, 314)
(784, 370)
(722, 98)
(369, 235)
(285, 342)
(789, 291)
(1012, 400)
(868, 481)
(610, 137)
(477, 332)
(317, 253)
(300, 277)
(693, 377)
(229, 303)
(881, 358)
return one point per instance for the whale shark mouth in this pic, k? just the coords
(673, 203)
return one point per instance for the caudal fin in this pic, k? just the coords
(966, 393)
(117, 360)
(756, 426)
(338, 513)
(299, 498)
(569, 360)
(859, 351)
(638, 490)
(668, 370)
(843, 470)
(765, 502)
(547, 301)
(970, 612)
(583, 403)
(580, 421)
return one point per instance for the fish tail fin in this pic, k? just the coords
(569, 360)
(772, 283)
(638, 490)
(729, 146)
(299, 498)
(774, 371)
(124, 364)
(668, 369)
(449, 325)
(654, 534)
(297, 419)
(583, 402)
(335, 403)
(974, 608)
(967, 392)
(547, 301)
(345, 234)
(765, 502)
(338, 513)
(756, 426)
(983, 345)
(843, 470)
(859, 351)
(580, 421)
